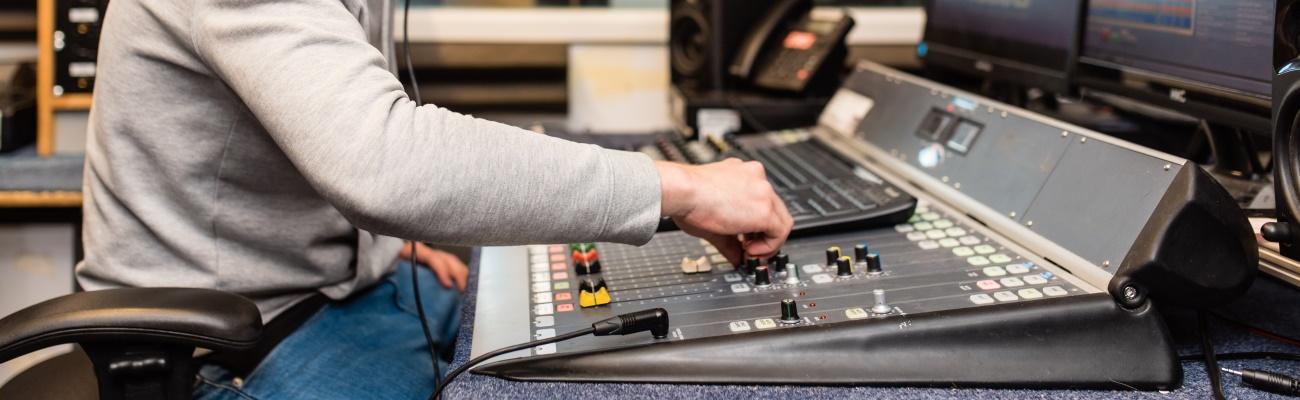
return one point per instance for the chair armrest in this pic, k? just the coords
(202, 318)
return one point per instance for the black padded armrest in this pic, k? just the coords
(203, 318)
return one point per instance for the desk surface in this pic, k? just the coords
(1260, 306)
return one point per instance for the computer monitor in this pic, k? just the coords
(1210, 58)
(1030, 42)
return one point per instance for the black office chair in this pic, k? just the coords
(131, 343)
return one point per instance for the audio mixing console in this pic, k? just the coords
(1033, 258)
(933, 262)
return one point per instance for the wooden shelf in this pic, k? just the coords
(40, 199)
(71, 102)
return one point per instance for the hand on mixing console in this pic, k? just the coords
(446, 266)
(729, 203)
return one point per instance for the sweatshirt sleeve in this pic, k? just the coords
(325, 96)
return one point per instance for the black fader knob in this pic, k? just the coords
(873, 264)
(762, 277)
(789, 311)
(844, 266)
(750, 264)
(832, 254)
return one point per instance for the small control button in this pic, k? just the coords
(978, 261)
(1012, 282)
(557, 248)
(1017, 268)
(811, 269)
(928, 244)
(904, 228)
(949, 242)
(544, 334)
(970, 240)
(930, 216)
(1054, 291)
(545, 349)
(1034, 280)
(822, 278)
(981, 298)
(544, 321)
(1000, 258)
(994, 271)
(935, 234)
(923, 226)
(717, 258)
(558, 267)
(543, 297)
(539, 258)
(561, 285)
(563, 296)
(732, 277)
(942, 224)
(914, 236)
(765, 323)
(988, 284)
(856, 313)
(739, 326)
(1029, 293)
(739, 288)
(955, 232)
(566, 307)
(544, 309)
(1005, 296)
(539, 267)
(559, 276)
(541, 277)
(985, 249)
(962, 251)
(542, 286)
(538, 248)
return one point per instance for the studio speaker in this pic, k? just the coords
(703, 36)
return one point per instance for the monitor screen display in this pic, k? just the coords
(1033, 35)
(1216, 44)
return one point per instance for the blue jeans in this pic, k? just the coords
(369, 346)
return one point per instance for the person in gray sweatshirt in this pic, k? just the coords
(266, 148)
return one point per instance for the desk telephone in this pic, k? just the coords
(794, 47)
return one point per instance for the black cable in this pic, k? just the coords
(437, 393)
(1207, 349)
(406, 52)
(419, 309)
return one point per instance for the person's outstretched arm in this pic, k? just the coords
(325, 96)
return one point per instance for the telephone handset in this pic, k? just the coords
(789, 48)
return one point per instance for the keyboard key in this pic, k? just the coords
(1000, 258)
(914, 236)
(962, 251)
(935, 234)
(970, 240)
(985, 249)
(949, 242)
(923, 226)
(988, 284)
(978, 261)
(1034, 280)
(1005, 296)
(943, 224)
(1012, 282)
(955, 232)
(928, 244)
(994, 271)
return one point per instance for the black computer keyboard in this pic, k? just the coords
(826, 193)
(823, 192)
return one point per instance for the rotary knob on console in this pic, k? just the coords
(791, 274)
(832, 254)
(873, 264)
(789, 312)
(844, 266)
(762, 277)
(778, 262)
(750, 264)
(860, 252)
